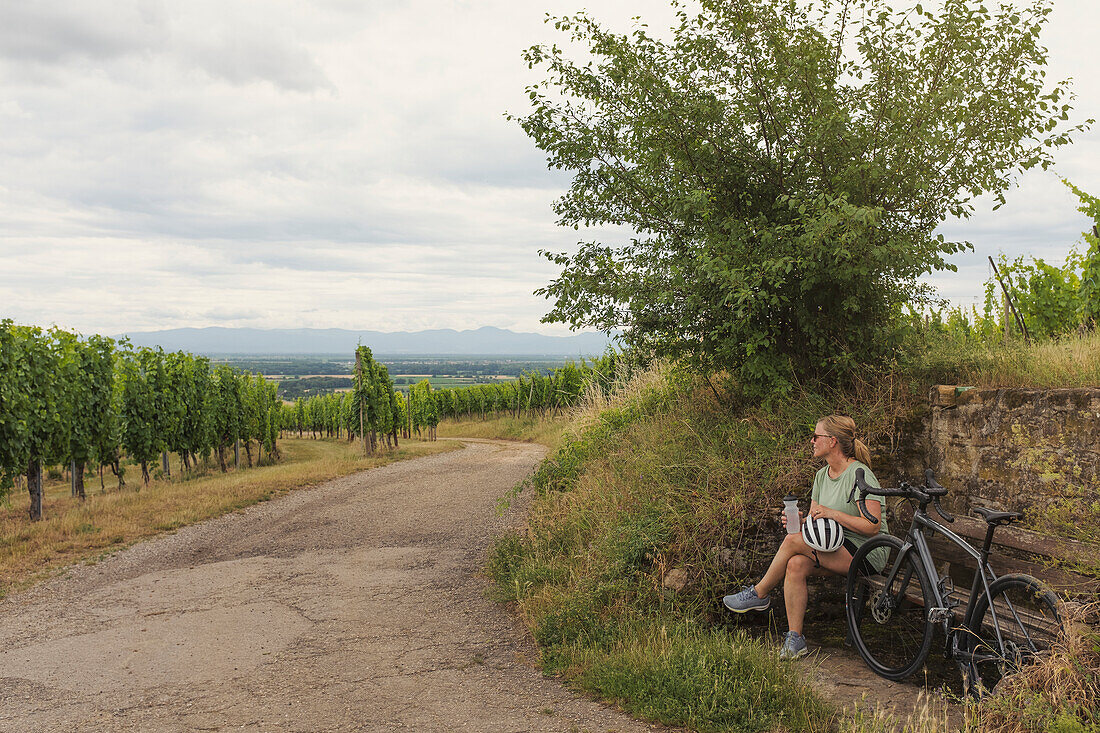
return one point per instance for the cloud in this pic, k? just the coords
(53, 32)
(281, 163)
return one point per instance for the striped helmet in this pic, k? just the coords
(822, 534)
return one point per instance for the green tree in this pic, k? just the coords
(223, 406)
(1089, 292)
(191, 377)
(300, 414)
(143, 381)
(784, 167)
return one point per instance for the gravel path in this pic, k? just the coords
(355, 605)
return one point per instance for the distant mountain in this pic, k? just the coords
(484, 341)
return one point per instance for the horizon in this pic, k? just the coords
(485, 342)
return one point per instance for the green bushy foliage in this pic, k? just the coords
(766, 240)
(1052, 300)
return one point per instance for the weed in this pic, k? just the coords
(1070, 361)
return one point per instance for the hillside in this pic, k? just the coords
(662, 499)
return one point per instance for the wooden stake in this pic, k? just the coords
(1019, 320)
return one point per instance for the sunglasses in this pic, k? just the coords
(819, 435)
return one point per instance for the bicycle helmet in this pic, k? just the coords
(822, 534)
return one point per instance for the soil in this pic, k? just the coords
(354, 605)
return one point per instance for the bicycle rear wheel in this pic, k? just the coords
(889, 625)
(1029, 623)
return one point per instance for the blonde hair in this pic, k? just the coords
(843, 428)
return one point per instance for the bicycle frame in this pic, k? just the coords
(941, 612)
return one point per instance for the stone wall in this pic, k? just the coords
(1030, 450)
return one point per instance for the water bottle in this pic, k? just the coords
(790, 509)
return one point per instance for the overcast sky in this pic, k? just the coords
(335, 163)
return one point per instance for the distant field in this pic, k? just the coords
(342, 365)
(307, 376)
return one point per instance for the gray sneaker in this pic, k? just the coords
(794, 646)
(746, 600)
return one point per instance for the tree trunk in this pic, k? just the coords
(78, 480)
(145, 478)
(237, 453)
(164, 462)
(248, 451)
(34, 488)
(116, 469)
(221, 458)
(102, 486)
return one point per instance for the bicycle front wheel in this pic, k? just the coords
(889, 622)
(1020, 626)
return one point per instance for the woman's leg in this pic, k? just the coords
(793, 545)
(795, 593)
(800, 567)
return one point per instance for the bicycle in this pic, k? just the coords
(895, 598)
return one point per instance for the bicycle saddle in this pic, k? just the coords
(993, 517)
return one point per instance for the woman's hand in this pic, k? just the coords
(824, 511)
(782, 517)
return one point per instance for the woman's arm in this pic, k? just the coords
(857, 524)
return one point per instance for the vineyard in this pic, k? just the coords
(379, 413)
(89, 402)
(90, 405)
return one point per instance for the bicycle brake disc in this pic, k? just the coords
(882, 607)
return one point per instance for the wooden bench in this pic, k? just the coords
(1017, 550)
(1033, 621)
(1014, 550)
(1028, 552)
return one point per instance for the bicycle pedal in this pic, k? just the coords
(936, 615)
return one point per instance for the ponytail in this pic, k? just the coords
(843, 428)
(862, 454)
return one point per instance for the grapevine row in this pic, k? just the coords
(537, 393)
(389, 413)
(67, 400)
(373, 411)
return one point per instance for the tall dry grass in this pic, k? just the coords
(1071, 361)
(543, 429)
(674, 474)
(107, 520)
(1060, 693)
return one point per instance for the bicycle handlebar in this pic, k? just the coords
(936, 491)
(931, 492)
(865, 489)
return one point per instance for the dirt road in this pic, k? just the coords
(355, 605)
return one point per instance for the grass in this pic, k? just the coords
(681, 674)
(1057, 695)
(1071, 361)
(642, 483)
(546, 430)
(106, 520)
(673, 474)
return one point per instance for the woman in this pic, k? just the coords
(834, 440)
